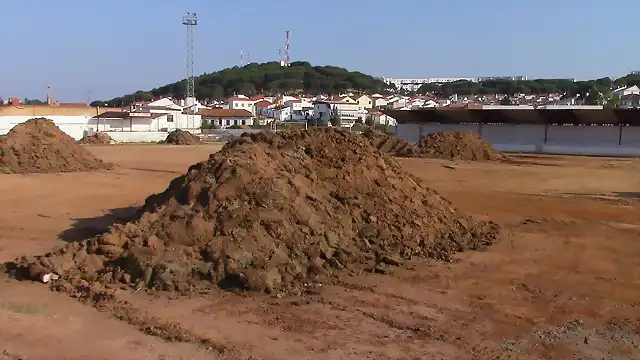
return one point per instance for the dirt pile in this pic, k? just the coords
(271, 212)
(98, 138)
(181, 137)
(39, 146)
(389, 144)
(456, 146)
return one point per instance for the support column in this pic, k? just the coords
(546, 132)
(619, 135)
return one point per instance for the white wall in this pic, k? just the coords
(74, 126)
(77, 126)
(139, 136)
(576, 140)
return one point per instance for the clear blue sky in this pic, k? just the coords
(114, 47)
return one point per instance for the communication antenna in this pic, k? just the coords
(190, 20)
(287, 45)
(241, 57)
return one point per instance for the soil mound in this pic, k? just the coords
(98, 138)
(389, 144)
(456, 146)
(39, 146)
(271, 212)
(181, 137)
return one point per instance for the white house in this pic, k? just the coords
(380, 118)
(346, 111)
(242, 102)
(397, 103)
(125, 121)
(227, 117)
(279, 113)
(294, 104)
(631, 90)
(342, 98)
(365, 102)
(178, 117)
(261, 107)
(630, 101)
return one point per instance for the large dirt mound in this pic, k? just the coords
(389, 144)
(275, 213)
(456, 146)
(39, 146)
(98, 138)
(181, 137)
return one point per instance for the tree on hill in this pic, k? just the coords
(27, 101)
(267, 78)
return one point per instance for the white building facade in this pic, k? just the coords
(348, 113)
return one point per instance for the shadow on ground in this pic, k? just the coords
(83, 229)
(625, 194)
(518, 162)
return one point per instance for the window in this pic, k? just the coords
(170, 118)
(228, 122)
(244, 122)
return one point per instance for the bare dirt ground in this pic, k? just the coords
(563, 283)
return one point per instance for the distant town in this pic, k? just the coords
(222, 101)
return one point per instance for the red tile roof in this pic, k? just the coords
(235, 98)
(263, 103)
(113, 115)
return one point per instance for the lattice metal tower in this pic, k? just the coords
(287, 44)
(190, 20)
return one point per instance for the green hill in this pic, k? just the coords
(266, 78)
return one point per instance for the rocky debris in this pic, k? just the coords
(586, 339)
(389, 144)
(98, 138)
(218, 137)
(39, 146)
(275, 213)
(181, 137)
(456, 146)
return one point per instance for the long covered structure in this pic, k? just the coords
(613, 132)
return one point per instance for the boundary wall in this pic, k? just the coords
(570, 132)
(74, 126)
(551, 139)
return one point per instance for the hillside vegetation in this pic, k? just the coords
(538, 86)
(266, 78)
(302, 77)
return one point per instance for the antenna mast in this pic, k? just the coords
(190, 20)
(287, 44)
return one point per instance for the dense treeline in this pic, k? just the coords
(567, 87)
(266, 78)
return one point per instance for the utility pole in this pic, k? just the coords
(190, 20)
